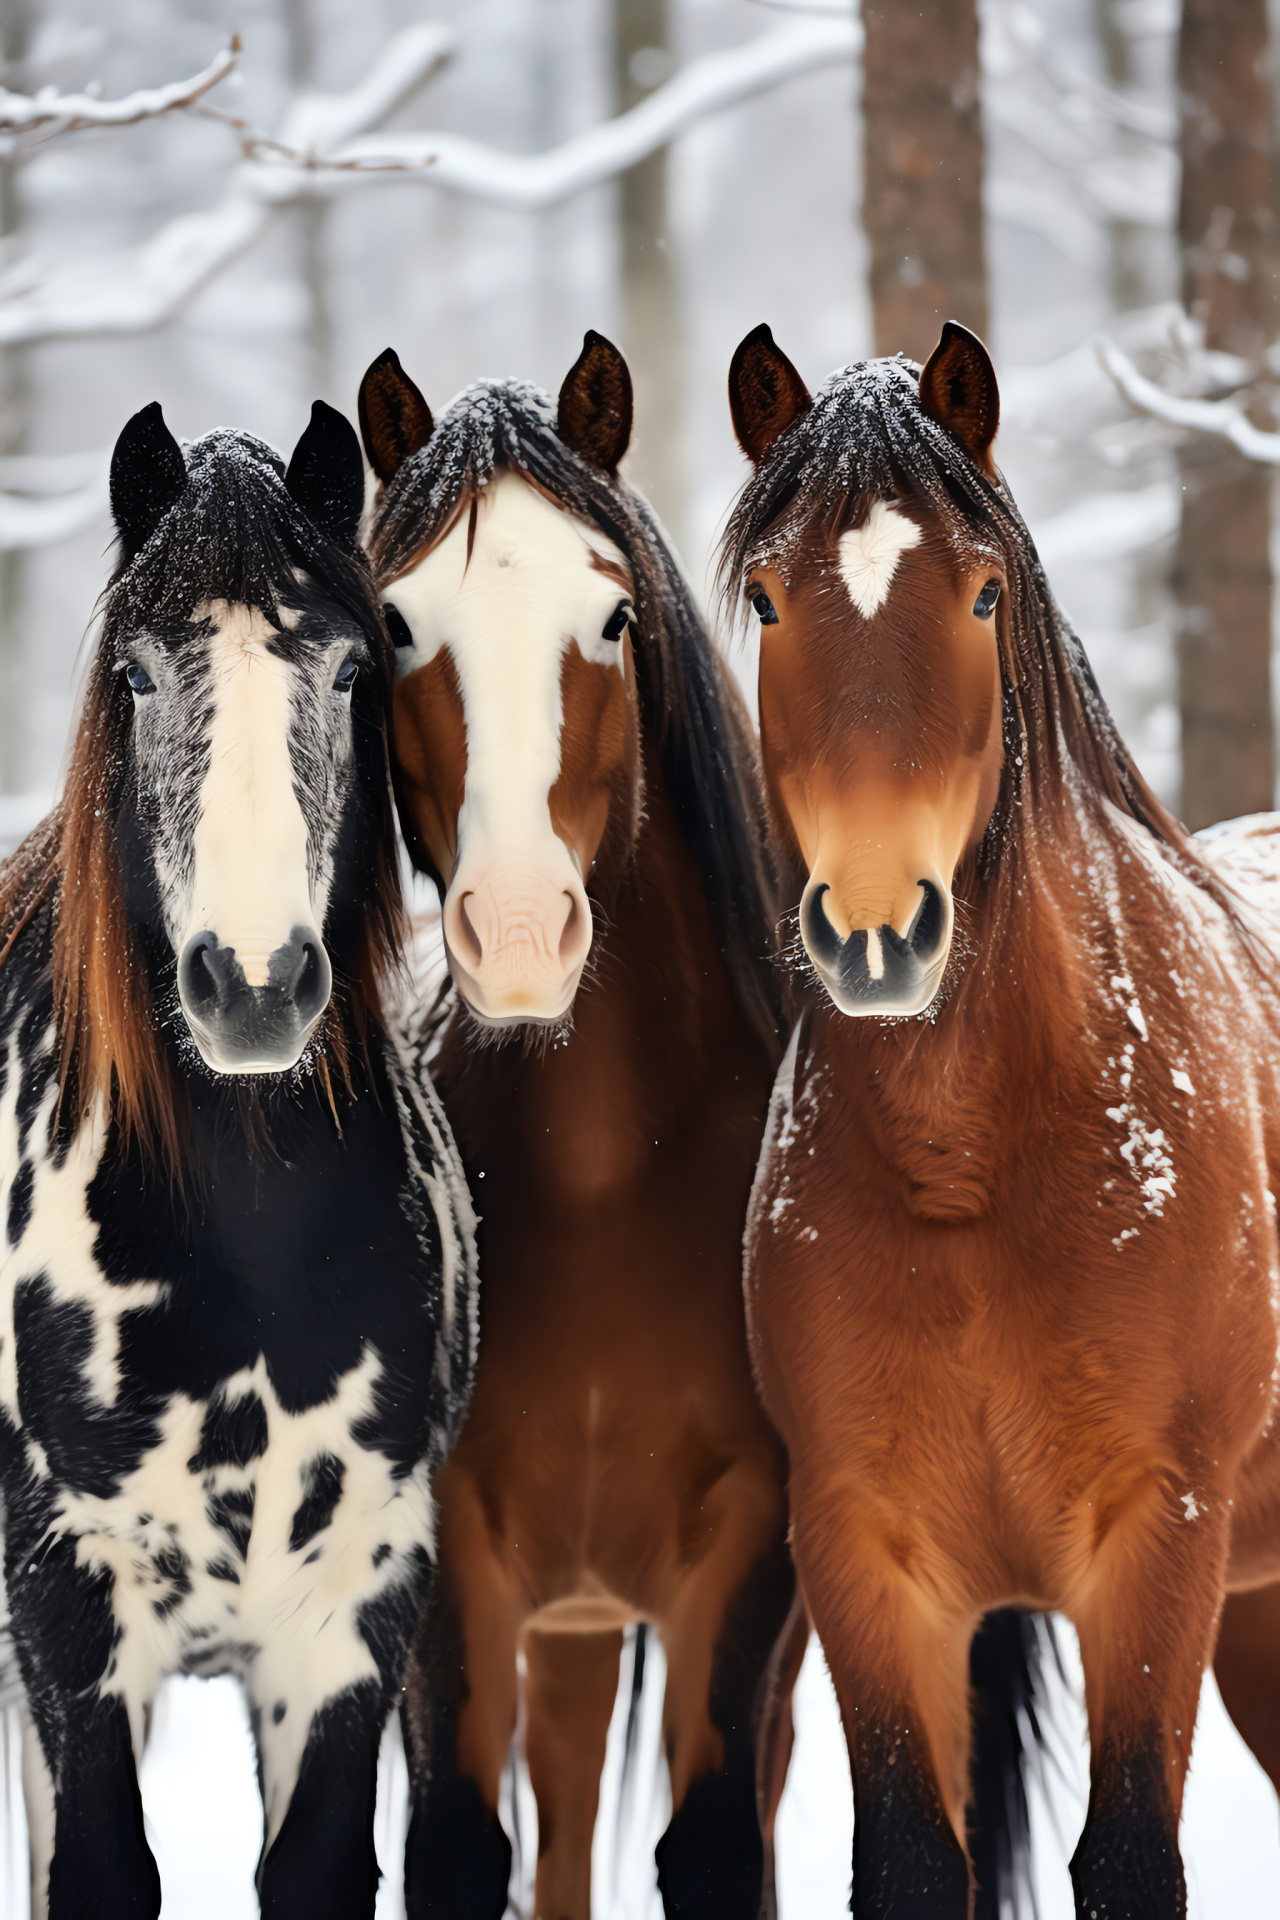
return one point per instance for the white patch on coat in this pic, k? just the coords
(1193, 1508)
(869, 554)
(59, 1244)
(290, 1625)
(250, 880)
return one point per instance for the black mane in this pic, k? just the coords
(867, 436)
(703, 739)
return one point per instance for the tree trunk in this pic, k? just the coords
(922, 171)
(15, 401)
(1222, 575)
(652, 336)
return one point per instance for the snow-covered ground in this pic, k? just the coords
(205, 1823)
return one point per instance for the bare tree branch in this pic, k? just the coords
(27, 121)
(325, 147)
(1219, 418)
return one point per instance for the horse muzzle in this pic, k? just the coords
(877, 970)
(240, 1028)
(517, 944)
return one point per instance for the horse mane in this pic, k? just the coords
(688, 705)
(234, 534)
(866, 437)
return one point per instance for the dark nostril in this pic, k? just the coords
(929, 925)
(205, 971)
(311, 990)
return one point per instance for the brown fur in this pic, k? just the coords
(1001, 1364)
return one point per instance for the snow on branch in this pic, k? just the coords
(1219, 418)
(139, 289)
(325, 148)
(530, 182)
(28, 120)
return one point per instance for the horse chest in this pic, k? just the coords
(236, 1431)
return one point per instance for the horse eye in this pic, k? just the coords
(616, 625)
(397, 625)
(139, 679)
(765, 608)
(985, 604)
(345, 678)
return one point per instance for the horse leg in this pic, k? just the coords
(460, 1718)
(570, 1689)
(718, 1639)
(99, 1866)
(1146, 1633)
(1247, 1665)
(776, 1739)
(318, 1862)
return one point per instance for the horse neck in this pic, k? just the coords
(1035, 1000)
(658, 1036)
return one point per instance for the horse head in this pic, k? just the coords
(515, 720)
(881, 618)
(236, 695)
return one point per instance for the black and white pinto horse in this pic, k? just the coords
(237, 1281)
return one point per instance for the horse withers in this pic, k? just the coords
(1011, 1258)
(579, 779)
(237, 1278)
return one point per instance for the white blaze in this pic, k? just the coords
(508, 615)
(869, 555)
(250, 882)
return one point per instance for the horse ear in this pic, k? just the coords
(595, 407)
(395, 420)
(148, 473)
(326, 473)
(958, 389)
(765, 393)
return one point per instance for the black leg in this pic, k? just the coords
(102, 1867)
(64, 1631)
(1127, 1865)
(322, 1865)
(711, 1858)
(907, 1862)
(457, 1857)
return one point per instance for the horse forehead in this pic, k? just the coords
(241, 633)
(523, 537)
(868, 555)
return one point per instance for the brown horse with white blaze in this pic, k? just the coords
(570, 756)
(1011, 1255)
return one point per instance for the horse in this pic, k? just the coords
(578, 778)
(1011, 1258)
(237, 1286)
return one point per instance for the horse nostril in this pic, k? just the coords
(204, 972)
(570, 933)
(312, 989)
(469, 935)
(928, 927)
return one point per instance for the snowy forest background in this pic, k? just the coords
(199, 257)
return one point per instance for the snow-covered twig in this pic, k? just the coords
(709, 85)
(136, 291)
(28, 120)
(1216, 417)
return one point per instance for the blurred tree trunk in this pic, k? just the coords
(1222, 575)
(652, 335)
(14, 412)
(922, 170)
(312, 220)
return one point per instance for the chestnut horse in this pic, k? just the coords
(1011, 1253)
(579, 779)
